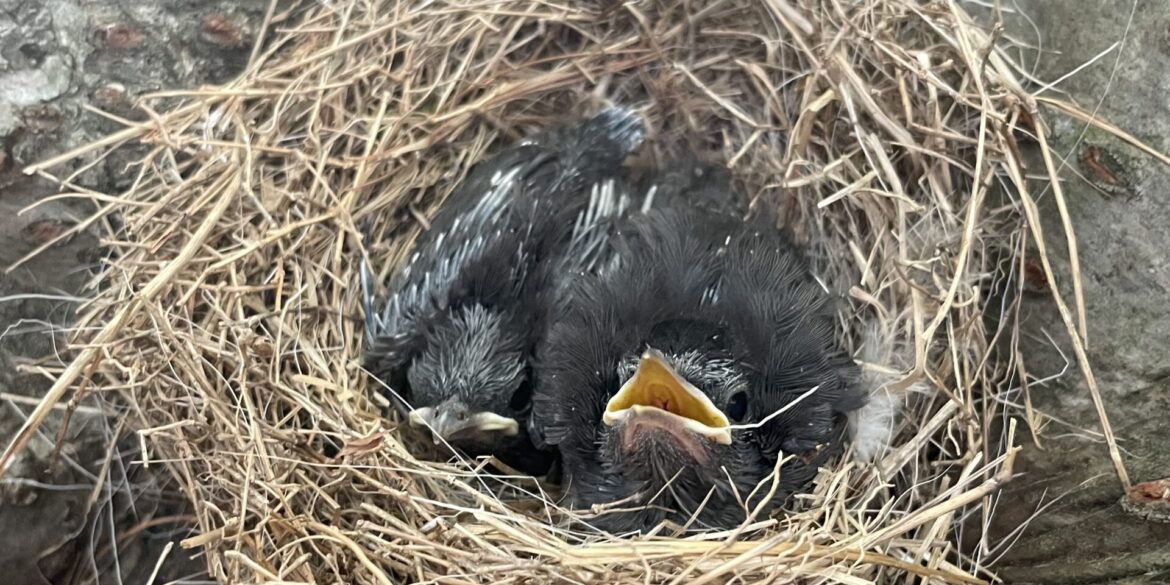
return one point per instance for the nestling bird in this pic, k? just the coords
(676, 378)
(454, 337)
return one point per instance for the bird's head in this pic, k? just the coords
(675, 411)
(470, 382)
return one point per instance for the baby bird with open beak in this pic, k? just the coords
(455, 335)
(704, 357)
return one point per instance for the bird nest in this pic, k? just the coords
(227, 326)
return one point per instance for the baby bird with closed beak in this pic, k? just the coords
(454, 336)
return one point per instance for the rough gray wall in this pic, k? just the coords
(1119, 201)
(55, 57)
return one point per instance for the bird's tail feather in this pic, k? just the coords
(597, 145)
(369, 296)
(622, 128)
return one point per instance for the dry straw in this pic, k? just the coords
(226, 327)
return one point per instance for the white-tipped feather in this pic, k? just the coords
(413, 300)
(872, 426)
(886, 355)
(648, 202)
(591, 231)
(884, 358)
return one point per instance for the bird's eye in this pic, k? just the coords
(737, 406)
(522, 397)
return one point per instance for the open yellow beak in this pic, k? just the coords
(656, 386)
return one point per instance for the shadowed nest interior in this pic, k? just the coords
(227, 326)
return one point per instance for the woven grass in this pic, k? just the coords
(227, 325)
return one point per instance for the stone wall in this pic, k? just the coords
(1119, 201)
(56, 58)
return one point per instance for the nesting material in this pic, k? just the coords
(228, 323)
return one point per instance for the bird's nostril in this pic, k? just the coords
(461, 416)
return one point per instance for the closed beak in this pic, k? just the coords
(452, 420)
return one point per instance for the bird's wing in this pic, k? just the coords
(591, 242)
(484, 240)
(479, 249)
